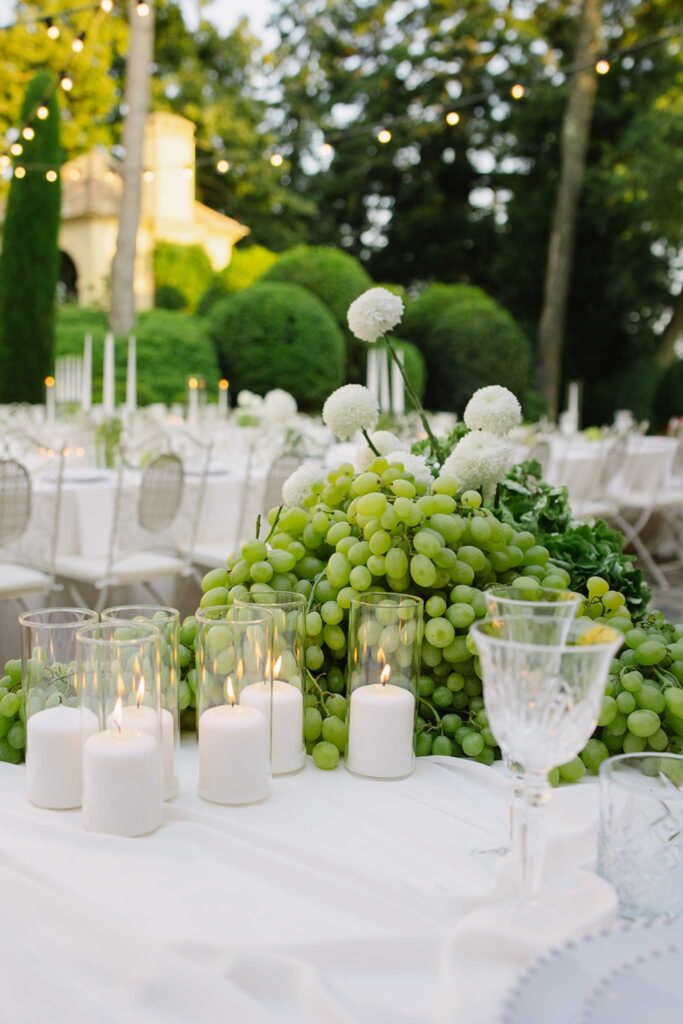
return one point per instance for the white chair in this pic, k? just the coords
(30, 498)
(155, 515)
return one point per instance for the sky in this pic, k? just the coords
(226, 12)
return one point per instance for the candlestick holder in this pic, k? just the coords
(234, 657)
(118, 671)
(288, 611)
(167, 621)
(53, 722)
(385, 637)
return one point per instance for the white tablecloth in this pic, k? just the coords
(336, 901)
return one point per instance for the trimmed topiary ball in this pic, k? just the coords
(422, 312)
(473, 344)
(279, 336)
(334, 277)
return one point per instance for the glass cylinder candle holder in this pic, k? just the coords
(287, 743)
(118, 669)
(53, 721)
(385, 637)
(234, 661)
(167, 621)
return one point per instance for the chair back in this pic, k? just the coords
(280, 470)
(161, 493)
(31, 479)
(15, 501)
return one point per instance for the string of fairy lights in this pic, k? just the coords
(15, 159)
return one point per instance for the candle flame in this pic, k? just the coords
(384, 675)
(229, 691)
(120, 686)
(140, 695)
(240, 670)
(117, 714)
(276, 667)
(381, 656)
(223, 384)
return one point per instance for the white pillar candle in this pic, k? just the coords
(384, 391)
(108, 377)
(223, 399)
(192, 400)
(132, 375)
(372, 372)
(381, 720)
(53, 756)
(398, 401)
(122, 790)
(233, 755)
(144, 719)
(287, 750)
(86, 384)
(50, 399)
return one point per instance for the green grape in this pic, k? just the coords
(461, 615)
(336, 705)
(650, 698)
(377, 565)
(331, 613)
(451, 723)
(634, 744)
(372, 504)
(314, 624)
(473, 744)
(442, 697)
(388, 519)
(335, 680)
(635, 637)
(422, 570)
(337, 532)
(673, 698)
(314, 657)
(608, 711)
(360, 578)
(428, 542)
(471, 499)
(380, 542)
(345, 596)
(640, 723)
(239, 573)
(334, 637)
(626, 702)
(334, 731)
(439, 632)
(597, 586)
(445, 485)
(297, 549)
(659, 741)
(435, 606)
(423, 744)
(480, 530)
(365, 483)
(472, 556)
(313, 724)
(593, 754)
(254, 551)
(325, 756)
(215, 578)
(14, 671)
(632, 681)
(650, 653)
(281, 561)
(311, 539)
(462, 573)
(396, 562)
(359, 553)
(321, 523)
(261, 572)
(443, 746)
(338, 570)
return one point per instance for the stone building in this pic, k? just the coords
(91, 193)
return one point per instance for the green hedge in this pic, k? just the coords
(185, 268)
(415, 368)
(472, 344)
(278, 336)
(170, 347)
(334, 277)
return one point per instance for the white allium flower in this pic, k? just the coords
(415, 464)
(248, 400)
(299, 484)
(280, 405)
(385, 442)
(494, 409)
(479, 459)
(349, 409)
(374, 313)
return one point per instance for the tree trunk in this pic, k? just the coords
(672, 333)
(575, 138)
(136, 98)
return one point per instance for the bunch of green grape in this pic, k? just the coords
(642, 709)
(12, 714)
(376, 531)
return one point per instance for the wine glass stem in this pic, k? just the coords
(535, 791)
(515, 802)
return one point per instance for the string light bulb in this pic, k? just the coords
(19, 172)
(148, 175)
(52, 29)
(327, 149)
(51, 175)
(107, 6)
(188, 172)
(517, 91)
(78, 43)
(452, 117)
(277, 160)
(142, 8)
(16, 149)
(43, 112)
(223, 166)
(66, 81)
(4, 160)
(384, 136)
(28, 133)
(603, 66)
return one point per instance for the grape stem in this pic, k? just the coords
(417, 404)
(370, 444)
(275, 522)
(423, 700)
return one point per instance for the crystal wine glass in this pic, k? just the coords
(542, 689)
(536, 602)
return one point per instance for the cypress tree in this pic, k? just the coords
(29, 262)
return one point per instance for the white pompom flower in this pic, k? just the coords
(280, 405)
(299, 485)
(479, 459)
(384, 441)
(248, 400)
(415, 464)
(349, 409)
(494, 409)
(374, 313)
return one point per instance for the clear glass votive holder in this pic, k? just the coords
(385, 638)
(167, 621)
(640, 840)
(288, 611)
(119, 672)
(234, 659)
(53, 721)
